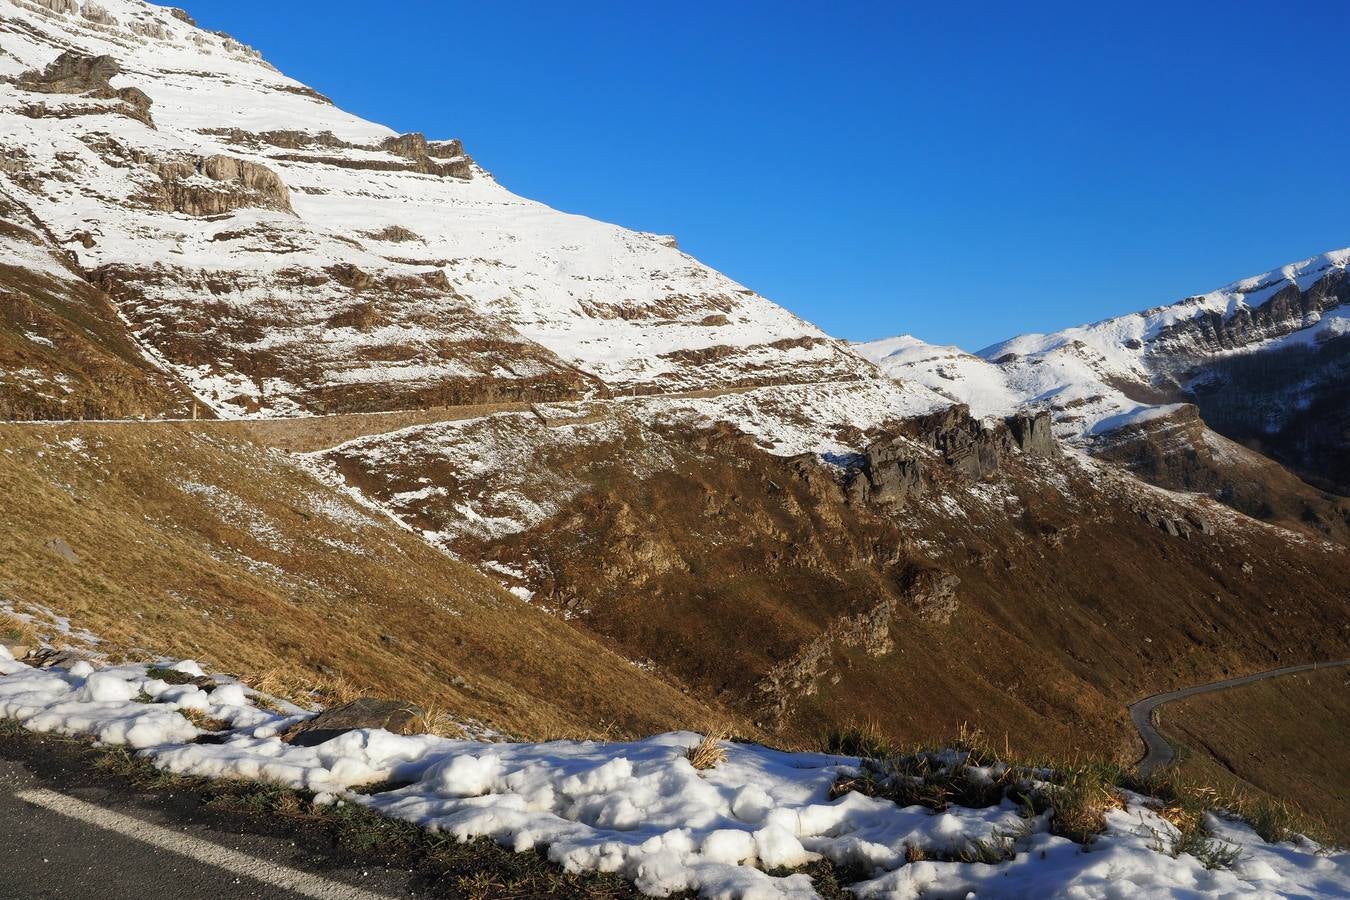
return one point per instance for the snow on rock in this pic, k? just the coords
(641, 809)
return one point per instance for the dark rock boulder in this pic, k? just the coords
(367, 712)
(50, 657)
(892, 469)
(967, 445)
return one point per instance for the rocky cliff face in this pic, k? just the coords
(890, 471)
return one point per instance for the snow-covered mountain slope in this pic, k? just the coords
(948, 370)
(1124, 370)
(282, 256)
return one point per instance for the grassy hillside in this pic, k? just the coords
(172, 539)
(1284, 738)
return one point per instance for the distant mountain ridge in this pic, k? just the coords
(1218, 351)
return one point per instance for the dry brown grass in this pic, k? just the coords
(864, 739)
(335, 690)
(18, 631)
(709, 752)
(1265, 747)
(203, 721)
(262, 569)
(282, 683)
(1081, 801)
(435, 721)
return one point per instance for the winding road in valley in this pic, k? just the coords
(1160, 753)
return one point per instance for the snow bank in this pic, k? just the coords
(641, 809)
(120, 704)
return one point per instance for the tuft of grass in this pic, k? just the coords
(274, 682)
(998, 848)
(434, 721)
(124, 763)
(1080, 800)
(708, 752)
(1185, 802)
(1275, 820)
(1212, 854)
(864, 740)
(977, 746)
(18, 631)
(335, 690)
(203, 721)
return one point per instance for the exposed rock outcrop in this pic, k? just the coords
(1292, 404)
(1179, 452)
(414, 146)
(98, 15)
(1289, 310)
(892, 469)
(90, 76)
(61, 7)
(366, 712)
(1032, 433)
(215, 185)
(930, 593)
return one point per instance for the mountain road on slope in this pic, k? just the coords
(314, 433)
(1159, 752)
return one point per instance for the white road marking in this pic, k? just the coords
(232, 861)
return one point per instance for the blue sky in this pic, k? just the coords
(959, 171)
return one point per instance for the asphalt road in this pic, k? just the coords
(70, 838)
(1159, 753)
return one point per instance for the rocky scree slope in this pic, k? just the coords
(280, 256)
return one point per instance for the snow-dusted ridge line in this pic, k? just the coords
(641, 809)
(1092, 376)
(1227, 301)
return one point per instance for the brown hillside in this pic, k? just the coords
(163, 539)
(1036, 602)
(1284, 737)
